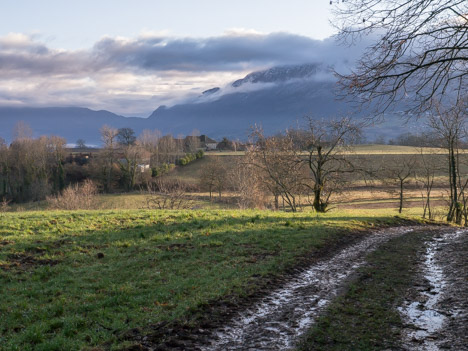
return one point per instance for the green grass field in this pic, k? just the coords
(78, 280)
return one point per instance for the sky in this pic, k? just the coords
(129, 57)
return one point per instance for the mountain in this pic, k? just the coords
(275, 98)
(279, 74)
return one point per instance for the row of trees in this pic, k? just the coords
(33, 168)
(313, 163)
(30, 168)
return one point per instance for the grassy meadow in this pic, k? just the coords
(80, 279)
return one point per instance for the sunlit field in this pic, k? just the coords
(82, 278)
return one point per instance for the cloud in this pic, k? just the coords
(128, 75)
(234, 51)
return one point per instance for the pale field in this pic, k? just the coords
(365, 149)
(362, 195)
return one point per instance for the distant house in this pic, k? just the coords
(208, 143)
(192, 142)
(143, 167)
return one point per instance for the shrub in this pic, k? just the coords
(188, 158)
(75, 197)
(168, 194)
(4, 205)
(162, 169)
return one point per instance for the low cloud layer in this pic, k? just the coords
(134, 76)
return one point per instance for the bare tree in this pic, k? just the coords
(192, 141)
(246, 180)
(213, 176)
(4, 170)
(32, 168)
(75, 197)
(108, 154)
(56, 151)
(132, 156)
(421, 51)
(149, 140)
(279, 162)
(126, 136)
(450, 125)
(167, 149)
(80, 144)
(428, 165)
(164, 194)
(399, 172)
(22, 130)
(327, 158)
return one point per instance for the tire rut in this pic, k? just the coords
(436, 317)
(278, 320)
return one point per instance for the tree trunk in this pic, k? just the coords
(454, 214)
(318, 205)
(400, 209)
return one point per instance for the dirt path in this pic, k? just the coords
(276, 322)
(436, 307)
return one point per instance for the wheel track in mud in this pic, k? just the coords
(278, 320)
(437, 317)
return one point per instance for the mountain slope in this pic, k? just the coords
(276, 99)
(71, 123)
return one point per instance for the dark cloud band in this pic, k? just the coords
(153, 54)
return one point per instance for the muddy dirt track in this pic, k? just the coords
(435, 310)
(437, 305)
(277, 321)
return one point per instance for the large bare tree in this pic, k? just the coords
(421, 51)
(279, 163)
(213, 176)
(450, 125)
(109, 153)
(327, 157)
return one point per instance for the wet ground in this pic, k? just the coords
(279, 319)
(435, 310)
(436, 307)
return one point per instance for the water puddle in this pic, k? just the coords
(277, 321)
(423, 314)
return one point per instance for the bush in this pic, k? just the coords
(162, 169)
(168, 194)
(200, 154)
(4, 205)
(75, 197)
(188, 158)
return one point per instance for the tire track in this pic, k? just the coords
(279, 319)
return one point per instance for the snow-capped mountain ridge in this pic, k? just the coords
(279, 74)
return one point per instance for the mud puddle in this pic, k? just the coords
(425, 314)
(279, 319)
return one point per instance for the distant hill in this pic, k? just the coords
(276, 98)
(71, 123)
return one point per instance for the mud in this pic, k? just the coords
(280, 318)
(24, 262)
(436, 310)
